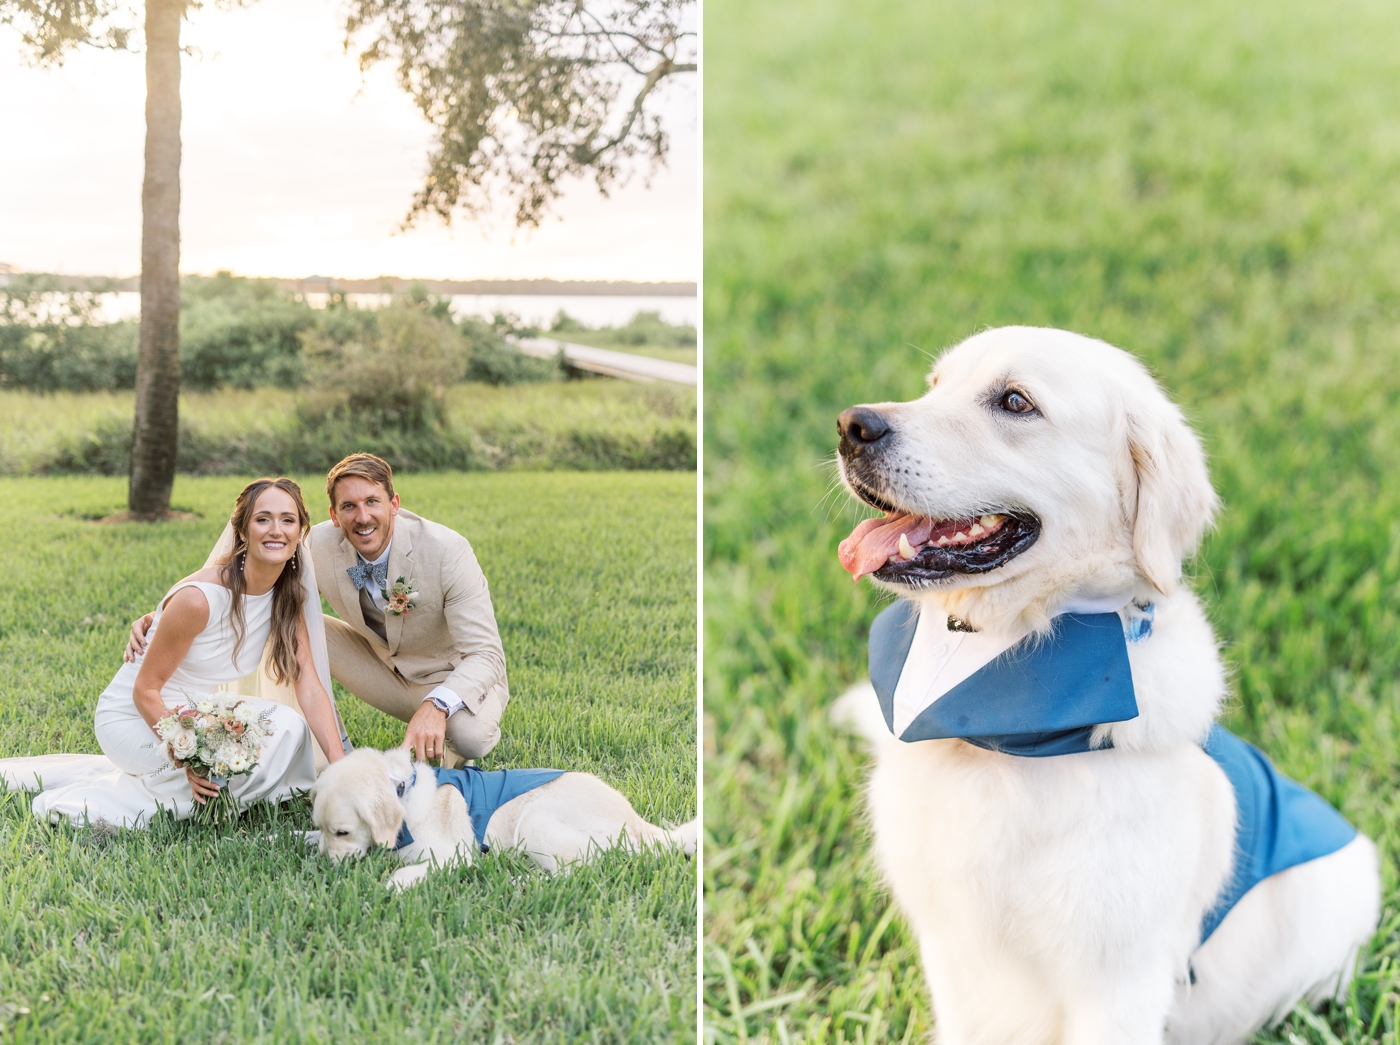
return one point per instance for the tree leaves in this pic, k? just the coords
(526, 94)
(51, 28)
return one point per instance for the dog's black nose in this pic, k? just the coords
(860, 427)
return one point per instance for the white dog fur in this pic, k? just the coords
(1060, 899)
(357, 805)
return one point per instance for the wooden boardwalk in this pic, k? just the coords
(625, 365)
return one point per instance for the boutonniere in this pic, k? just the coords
(401, 598)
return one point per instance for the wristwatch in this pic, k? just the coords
(446, 701)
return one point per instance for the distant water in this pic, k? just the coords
(532, 309)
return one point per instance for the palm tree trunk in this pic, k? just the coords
(153, 452)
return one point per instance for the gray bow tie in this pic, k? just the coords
(363, 572)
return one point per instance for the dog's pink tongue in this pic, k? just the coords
(871, 544)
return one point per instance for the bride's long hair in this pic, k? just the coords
(288, 593)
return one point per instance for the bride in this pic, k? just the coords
(256, 594)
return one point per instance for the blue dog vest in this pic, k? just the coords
(1043, 697)
(485, 792)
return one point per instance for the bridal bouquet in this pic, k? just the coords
(218, 736)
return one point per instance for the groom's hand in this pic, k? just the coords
(426, 731)
(136, 645)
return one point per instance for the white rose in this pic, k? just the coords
(183, 744)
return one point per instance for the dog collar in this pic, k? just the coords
(1025, 695)
(405, 836)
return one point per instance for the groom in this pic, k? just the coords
(432, 659)
(435, 662)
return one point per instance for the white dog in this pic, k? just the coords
(1063, 897)
(374, 798)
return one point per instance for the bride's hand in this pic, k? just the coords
(201, 786)
(136, 644)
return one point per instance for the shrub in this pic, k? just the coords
(245, 333)
(566, 324)
(242, 333)
(384, 371)
(648, 328)
(50, 342)
(494, 361)
(644, 328)
(597, 425)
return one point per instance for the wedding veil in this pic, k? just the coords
(261, 683)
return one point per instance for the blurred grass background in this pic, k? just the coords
(185, 933)
(1213, 186)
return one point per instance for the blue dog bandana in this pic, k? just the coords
(1026, 697)
(485, 792)
(1039, 697)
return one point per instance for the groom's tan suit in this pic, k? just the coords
(448, 638)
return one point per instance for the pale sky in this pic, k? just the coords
(294, 166)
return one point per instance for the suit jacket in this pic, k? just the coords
(449, 637)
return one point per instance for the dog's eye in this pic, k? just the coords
(341, 834)
(1014, 402)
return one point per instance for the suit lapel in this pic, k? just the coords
(400, 565)
(345, 557)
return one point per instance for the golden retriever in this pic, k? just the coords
(369, 797)
(1061, 898)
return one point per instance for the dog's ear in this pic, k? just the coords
(1175, 502)
(380, 809)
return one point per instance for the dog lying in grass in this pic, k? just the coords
(435, 818)
(1084, 857)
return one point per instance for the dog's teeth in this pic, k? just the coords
(977, 530)
(905, 548)
(960, 536)
(942, 541)
(989, 520)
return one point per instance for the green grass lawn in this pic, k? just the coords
(1215, 187)
(191, 934)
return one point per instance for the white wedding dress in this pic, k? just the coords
(127, 785)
